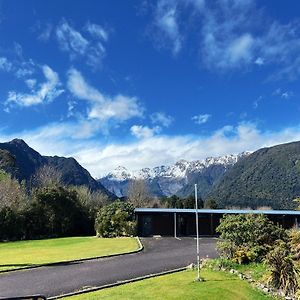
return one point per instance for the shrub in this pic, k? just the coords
(115, 219)
(247, 237)
(294, 242)
(283, 273)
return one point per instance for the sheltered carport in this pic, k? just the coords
(181, 222)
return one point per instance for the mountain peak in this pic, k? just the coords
(19, 142)
(178, 178)
(179, 169)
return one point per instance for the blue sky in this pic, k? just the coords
(145, 83)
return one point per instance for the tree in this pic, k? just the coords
(210, 204)
(138, 194)
(297, 201)
(12, 193)
(116, 219)
(47, 176)
(13, 201)
(189, 202)
(62, 210)
(91, 200)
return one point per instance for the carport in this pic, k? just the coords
(181, 222)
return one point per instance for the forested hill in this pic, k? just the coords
(18, 159)
(267, 177)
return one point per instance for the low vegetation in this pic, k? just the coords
(254, 239)
(248, 237)
(182, 285)
(31, 253)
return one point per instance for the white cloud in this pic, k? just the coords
(31, 82)
(71, 40)
(259, 61)
(230, 35)
(47, 91)
(240, 49)
(46, 32)
(99, 159)
(166, 22)
(161, 119)
(103, 107)
(5, 65)
(23, 68)
(79, 46)
(168, 31)
(144, 132)
(201, 119)
(283, 94)
(97, 31)
(227, 42)
(81, 89)
(232, 25)
(286, 95)
(120, 108)
(257, 101)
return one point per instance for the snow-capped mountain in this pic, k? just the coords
(173, 179)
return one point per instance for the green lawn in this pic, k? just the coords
(29, 253)
(217, 285)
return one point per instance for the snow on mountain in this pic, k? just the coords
(179, 170)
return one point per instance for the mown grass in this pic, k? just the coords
(254, 270)
(37, 252)
(217, 285)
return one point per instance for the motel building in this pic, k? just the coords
(182, 222)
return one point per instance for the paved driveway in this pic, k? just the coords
(160, 254)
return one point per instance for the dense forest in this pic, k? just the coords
(267, 177)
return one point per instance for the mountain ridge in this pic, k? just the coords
(22, 162)
(269, 176)
(173, 179)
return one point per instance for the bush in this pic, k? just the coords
(116, 219)
(245, 254)
(283, 274)
(247, 237)
(294, 242)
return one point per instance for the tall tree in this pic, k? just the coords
(47, 176)
(138, 194)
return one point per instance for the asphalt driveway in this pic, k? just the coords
(159, 254)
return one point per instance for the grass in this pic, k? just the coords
(181, 285)
(255, 270)
(37, 252)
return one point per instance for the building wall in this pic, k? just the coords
(157, 223)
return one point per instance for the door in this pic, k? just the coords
(147, 226)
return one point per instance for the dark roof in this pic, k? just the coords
(218, 211)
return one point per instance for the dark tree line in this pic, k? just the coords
(189, 202)
(48, 209)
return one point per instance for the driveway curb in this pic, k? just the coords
(141, 247)
(106, 286)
